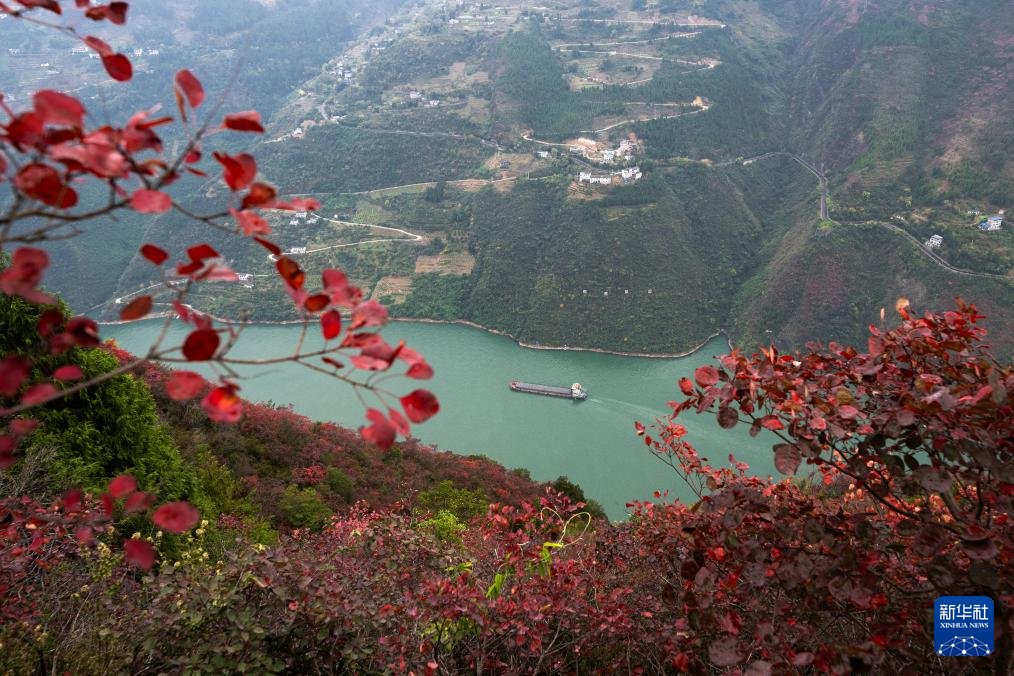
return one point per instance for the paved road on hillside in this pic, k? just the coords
(933, 256)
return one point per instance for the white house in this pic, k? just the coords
(584, 177)
(602, 180)
(297, 132)
(934, 242)
(608, 155)
(297, 250)
(300, 214)
(293, 222)
(630, 175)
(415, 96)
(153, 52)
(138, 52)
(543, 154)
(433, 103)
(244, 276)
(992, 224)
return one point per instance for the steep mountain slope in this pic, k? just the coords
(902, 104)
(897, 95)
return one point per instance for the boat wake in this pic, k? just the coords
(626, 408)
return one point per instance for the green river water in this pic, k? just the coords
(592, 442)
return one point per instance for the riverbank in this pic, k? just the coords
(460, 322)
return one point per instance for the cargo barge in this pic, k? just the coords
(575, 391)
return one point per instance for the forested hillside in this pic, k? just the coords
(899, 105)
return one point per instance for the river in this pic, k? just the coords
(592, 442)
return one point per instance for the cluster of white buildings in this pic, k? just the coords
(593, 151)
(418, 96)
(934, 242)
(344, 72)
(300, 217)
(992, 223)
(625, 176)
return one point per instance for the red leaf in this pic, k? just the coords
(197, 255)
(71, 500)
(138, 502)
(337, 284)
(772, 423)
(290, 272)
(137, 308)
(118, 13)
(317, 302)
(420, 405)
(139, 553)
(246, 121)
(239, 170)
(176, 517)
(98, 45)
(330, 324)
(222, 404)
(23, 275)
(260, 194)
(420, 371)
(13, 371)
(191, 88)
(43, 183)
(151, 202)
(787, 458)
(298, 204)
(154, 254)
(83, 331)
(399, 422)
(686, 386)
(51, 5)
(184, 385)
(23, 426)
(122, 486)
(269, 245)
(38, 394)
(68, 373)
(381, 432)
(370, 313)
(118, 66)
(727, 417)
(58, 109)
(250, 223)
(706, 375)
(201, 345)
(639, 428)
(848, 412)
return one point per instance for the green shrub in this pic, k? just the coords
(303, 508)
(339, 483)
(576, 494)
(446, 527)
(461, 502)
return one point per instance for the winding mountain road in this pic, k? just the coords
(933, 256)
